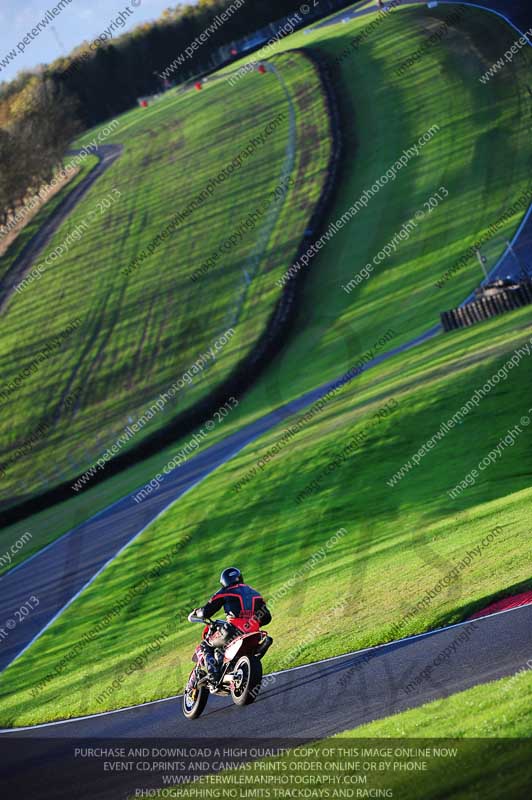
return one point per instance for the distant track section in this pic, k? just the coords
(107, 155)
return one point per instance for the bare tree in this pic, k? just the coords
(41, 123)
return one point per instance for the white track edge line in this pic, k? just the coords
(121, 499)
(280, 672)
(104, 566)
(108, 508)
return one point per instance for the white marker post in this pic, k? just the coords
(482, 260)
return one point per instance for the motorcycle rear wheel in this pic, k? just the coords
(245, 688)
(194, 701)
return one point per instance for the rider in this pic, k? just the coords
(245, 609)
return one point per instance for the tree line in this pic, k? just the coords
(41, 121)
(41, 111)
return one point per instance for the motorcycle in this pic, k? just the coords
(240, 667)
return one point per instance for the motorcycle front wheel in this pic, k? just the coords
(247, 680)
(194, 699)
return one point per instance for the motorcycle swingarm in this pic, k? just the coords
(221, 691)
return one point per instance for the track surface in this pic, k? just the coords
(320, 699)
(107, 155)
(305, 702)
(297, 705)
(59, 572)
(518, 11)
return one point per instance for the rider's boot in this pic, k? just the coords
(212, 668)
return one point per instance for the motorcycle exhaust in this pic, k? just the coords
(264, 647)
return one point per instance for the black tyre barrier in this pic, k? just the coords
(490, 305)
(270, 343)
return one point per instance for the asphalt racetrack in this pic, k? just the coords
(309, 702)
(59, 572)
(518, 11)
(107, 155)
(298, 705)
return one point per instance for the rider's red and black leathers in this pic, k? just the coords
(240, 601)
(247, 611)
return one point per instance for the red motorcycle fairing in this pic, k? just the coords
(243, 645)
(248, 641)
(244, 625)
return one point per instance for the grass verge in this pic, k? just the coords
(335, 329)
(409, 537)
(132, 296)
